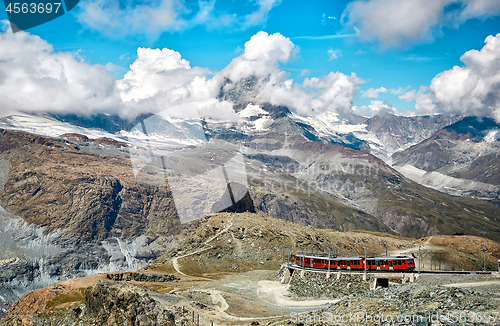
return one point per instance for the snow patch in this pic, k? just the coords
(48, 126)
(493, 135)
(447, 184)
(251, 111)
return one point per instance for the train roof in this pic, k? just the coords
(391, 257)
(359, 257)
(326, 257)
(309, 256)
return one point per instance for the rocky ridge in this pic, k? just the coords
(209, 255)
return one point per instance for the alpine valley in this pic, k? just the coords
(76, 201)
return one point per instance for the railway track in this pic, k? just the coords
(298, 267)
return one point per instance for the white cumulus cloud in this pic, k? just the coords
(160, 79)
(150, 18)
(408, 96)
(375, 107)
(473, 89)
(373, 92)
(334, 54)
(261, 58)
(33, 77)
(399, 23)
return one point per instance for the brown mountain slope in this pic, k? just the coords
(59, 183)
(56, 185)
(210, 261)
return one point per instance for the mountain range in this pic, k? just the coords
(82, 195)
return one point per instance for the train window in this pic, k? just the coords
(385, 262)
(409, 261)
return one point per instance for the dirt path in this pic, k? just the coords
(175, 260)
(250, 296)
(413, 251)
(279, 295)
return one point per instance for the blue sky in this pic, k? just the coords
(330, 36)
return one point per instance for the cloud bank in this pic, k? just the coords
(34, 77)
(473, 89)
(400, 23)
(151, 18)
(261, 58)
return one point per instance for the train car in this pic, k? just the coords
(404, 263)
(348, 263)
(389, 263)
(311, 261)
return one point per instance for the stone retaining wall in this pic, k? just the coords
(317, 285)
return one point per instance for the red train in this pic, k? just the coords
(390, 263)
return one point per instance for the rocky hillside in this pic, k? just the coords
(216, 273)
(240, 242)
(460, 159)
(363, 182)
(68, 211)
(453, 148)
(246, 241)
(397, 133)
(55, 185)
